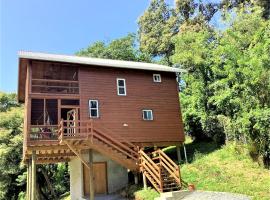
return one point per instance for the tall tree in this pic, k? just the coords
(227, 89)
(242, 85)
(121, 49)
(194, 51)
(157, 25)
(264, 4)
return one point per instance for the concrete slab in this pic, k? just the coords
(109, 197)
(201, 195)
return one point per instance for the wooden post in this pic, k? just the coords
(33, 177)
(144, 182)
(178, 150)
(30, 179)
(185, 152)
(91, 177)
(136, 179)
(27, 181)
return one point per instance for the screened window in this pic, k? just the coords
(121, 87)
(93, 108)
(147, 114)
(156, 78)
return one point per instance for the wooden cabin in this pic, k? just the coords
(99, 115)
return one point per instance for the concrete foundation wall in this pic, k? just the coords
(117, 176)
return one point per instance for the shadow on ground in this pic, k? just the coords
(194, 150)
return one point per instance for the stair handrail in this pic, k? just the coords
(116, 145)
(133, 153)
(144, 155)
(168, 159)
(170, 166)
(117, 136)
(147, 164)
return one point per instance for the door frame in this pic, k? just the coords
(106, 176)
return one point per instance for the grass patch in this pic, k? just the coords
(148, 194)
(229, 169)
(65, 196)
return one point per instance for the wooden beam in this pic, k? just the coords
(55, 96)
(52, 161)
(49, 155)
(78, 154)
(91, 176)
(33, 177)
(28, 181)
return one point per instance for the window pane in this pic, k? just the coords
(93, 113)
(121, 90)
(145, 114)
(150, 117)
(120, 82)
(93, 104)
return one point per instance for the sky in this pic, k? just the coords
(59, 26)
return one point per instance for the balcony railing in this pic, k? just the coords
(55, 86)
(43, 132)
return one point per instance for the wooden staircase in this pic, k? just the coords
(159, 169)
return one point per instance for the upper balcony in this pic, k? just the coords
(54, 78)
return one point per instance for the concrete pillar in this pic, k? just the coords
(178, 151)
(91, 177)
(185, 152)
(33, 177)
(144, 182)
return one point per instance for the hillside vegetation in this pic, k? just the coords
(229, 169)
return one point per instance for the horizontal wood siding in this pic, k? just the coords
(142, 93)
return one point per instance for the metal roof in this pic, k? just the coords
(96, 61)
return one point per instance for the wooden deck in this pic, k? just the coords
(72, 137)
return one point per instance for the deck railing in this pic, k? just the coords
(88, 130)
(55, 86)
(43, 132)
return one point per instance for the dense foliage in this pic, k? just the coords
(11, 172)
(119, 49)
(227, 90)
(53, 180)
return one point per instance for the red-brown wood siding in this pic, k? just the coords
(142, 93)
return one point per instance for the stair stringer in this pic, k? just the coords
(120, 159)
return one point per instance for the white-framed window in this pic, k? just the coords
(93, 108)
(147, 114)
(121, 87)
(157, 78)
